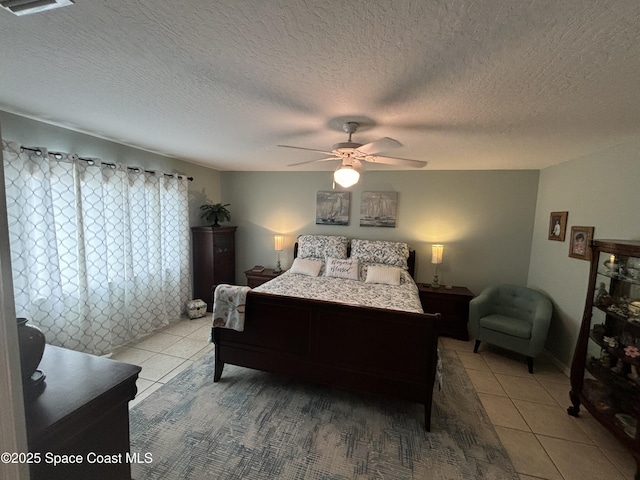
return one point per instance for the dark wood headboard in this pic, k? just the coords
(411, 261)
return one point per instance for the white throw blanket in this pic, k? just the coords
(228, 306)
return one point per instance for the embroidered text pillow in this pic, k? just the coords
(341, 268)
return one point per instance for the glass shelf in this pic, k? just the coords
(616, 276)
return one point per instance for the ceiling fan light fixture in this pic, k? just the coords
(346, 176)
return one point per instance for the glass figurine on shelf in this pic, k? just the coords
(602, 296)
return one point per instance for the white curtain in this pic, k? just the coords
(99, 252)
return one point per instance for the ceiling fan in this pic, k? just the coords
(352, 156)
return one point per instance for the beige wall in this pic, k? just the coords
(601, 190)
(483, 218)
(204, 187)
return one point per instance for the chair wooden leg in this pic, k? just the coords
(530, 364)
(475, 348)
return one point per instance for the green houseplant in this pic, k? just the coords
(215, 213)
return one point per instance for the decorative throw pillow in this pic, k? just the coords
(394, 254)
(340, 268)
(385, 275)
(306, 266)
(322, 246)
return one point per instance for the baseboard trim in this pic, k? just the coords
(553, 359)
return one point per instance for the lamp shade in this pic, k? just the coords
(436, 254)
(278, 241)
(346, 176)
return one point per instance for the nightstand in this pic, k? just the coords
(258, 278)
(453, 306)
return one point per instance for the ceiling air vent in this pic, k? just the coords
(26, 7)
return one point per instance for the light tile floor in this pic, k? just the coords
(528, 411)
(166, 353)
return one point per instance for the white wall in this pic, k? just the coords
(601, 190)
(483, 218)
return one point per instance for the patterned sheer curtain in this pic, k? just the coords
(100, 252)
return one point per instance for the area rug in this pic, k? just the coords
(255, 425)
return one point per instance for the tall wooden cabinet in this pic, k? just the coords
(605, 373)
(214, 260)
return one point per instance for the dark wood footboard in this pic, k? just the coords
(373, 350)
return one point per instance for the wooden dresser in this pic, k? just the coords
(83, 411)
(214, 260)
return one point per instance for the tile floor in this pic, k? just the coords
(166, 353)
(528, 412)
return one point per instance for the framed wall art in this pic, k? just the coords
(378, 209)
(558, 225)
(580, 242)
(332, 208)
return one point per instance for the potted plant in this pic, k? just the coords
(215, 213)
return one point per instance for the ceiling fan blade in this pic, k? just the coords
(313, 161)
(309, 149)
(379, 145)
(404, 162)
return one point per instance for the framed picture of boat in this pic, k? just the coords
(332, 208)
(378, 209)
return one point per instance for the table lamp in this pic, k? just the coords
(436, 258)
(279, 244)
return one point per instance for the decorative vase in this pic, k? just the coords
(31, 341)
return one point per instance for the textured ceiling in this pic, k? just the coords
(462, 84)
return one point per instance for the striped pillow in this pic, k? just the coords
(385, 275)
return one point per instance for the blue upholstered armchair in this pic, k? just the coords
(512, 317)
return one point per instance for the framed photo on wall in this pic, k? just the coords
(378, 209)
(558, 225)
(580, 243)
(332, 208)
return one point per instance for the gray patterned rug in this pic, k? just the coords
(254, 425)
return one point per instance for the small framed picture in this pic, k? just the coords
(580, 243)
(558, 225)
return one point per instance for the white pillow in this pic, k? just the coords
(305, 266)
(386, 275)
(339, 268)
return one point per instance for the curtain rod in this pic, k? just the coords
(113, 165)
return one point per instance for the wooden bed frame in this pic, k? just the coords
(373, 350)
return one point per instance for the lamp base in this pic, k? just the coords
(435, 283)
